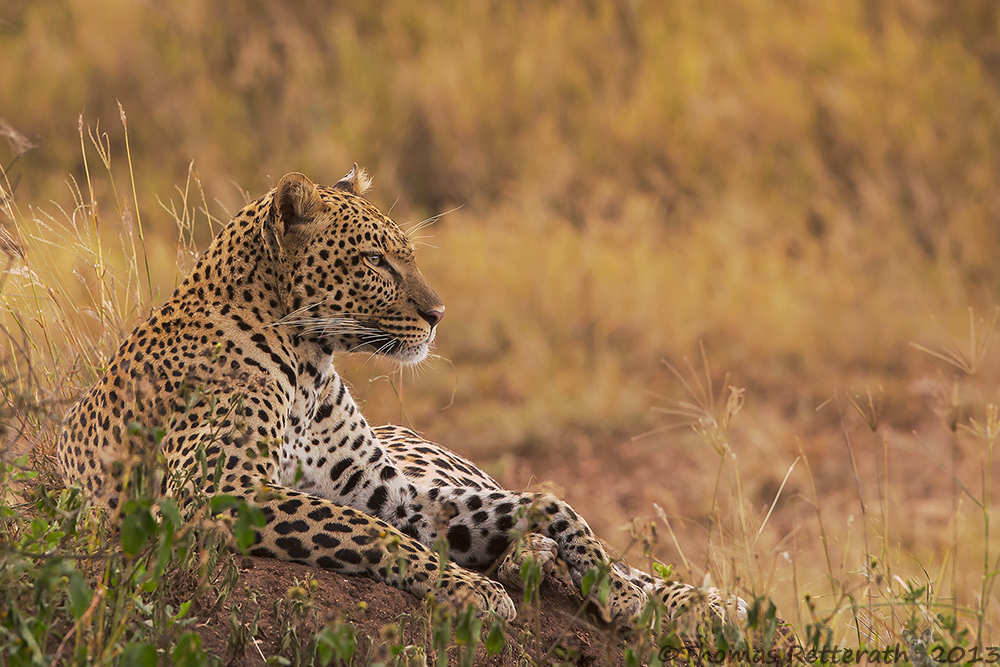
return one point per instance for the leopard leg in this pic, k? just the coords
(314, 531)
(305, 528)
(483, 517)
(483, 523)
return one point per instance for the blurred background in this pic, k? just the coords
(796, 192)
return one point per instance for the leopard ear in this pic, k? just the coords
(296, 200)
(356, 181)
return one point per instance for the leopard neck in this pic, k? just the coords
(240, 272)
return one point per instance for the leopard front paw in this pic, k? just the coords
(625, 601)
(731, 608)
(533, 545)
(491, 596)
(617, 598)
(691, 606)
(462, 587)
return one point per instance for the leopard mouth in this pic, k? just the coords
(354, 334)
(385, 343)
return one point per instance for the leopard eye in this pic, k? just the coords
(374, 258)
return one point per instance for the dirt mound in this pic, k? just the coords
(559, 633)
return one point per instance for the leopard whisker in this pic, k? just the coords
(388, 342)
(347, 324)
(385, 347)
(427, 222)
(303, 309)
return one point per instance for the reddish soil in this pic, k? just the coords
(563, 632)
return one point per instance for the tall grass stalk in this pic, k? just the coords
(135, 202)
(984, 429)
(861, 636)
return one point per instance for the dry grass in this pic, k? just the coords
(805, 190)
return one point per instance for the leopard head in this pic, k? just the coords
(348, 272)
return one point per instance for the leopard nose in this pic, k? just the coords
(432, 316)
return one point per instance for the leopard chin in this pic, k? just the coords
(413, 354)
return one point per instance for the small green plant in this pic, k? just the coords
(244, 620)
(296, 620)
(89, 585)
(335, 643)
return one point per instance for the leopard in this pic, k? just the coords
(235, 373)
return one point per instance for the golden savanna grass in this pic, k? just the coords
(795, 192)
